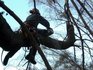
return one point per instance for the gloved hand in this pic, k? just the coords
(50, 31)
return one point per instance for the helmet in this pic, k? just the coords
(34, 11)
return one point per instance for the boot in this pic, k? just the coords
(31, 56)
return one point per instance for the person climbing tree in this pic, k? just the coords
(9, 40)
(32, 22)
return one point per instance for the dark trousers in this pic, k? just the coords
(42, 32)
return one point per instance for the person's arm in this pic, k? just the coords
(44, 22)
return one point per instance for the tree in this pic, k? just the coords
(78, 13)
(44, 40)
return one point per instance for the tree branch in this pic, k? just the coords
(57, 44)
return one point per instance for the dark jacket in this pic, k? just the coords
(35, 19)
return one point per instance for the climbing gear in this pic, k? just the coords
(31, 56)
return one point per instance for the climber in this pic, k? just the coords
(31, 22)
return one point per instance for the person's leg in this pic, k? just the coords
(31, 56)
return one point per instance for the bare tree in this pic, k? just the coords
(47, 41)
(77, 13)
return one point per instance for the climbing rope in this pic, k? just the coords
(34, 3)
